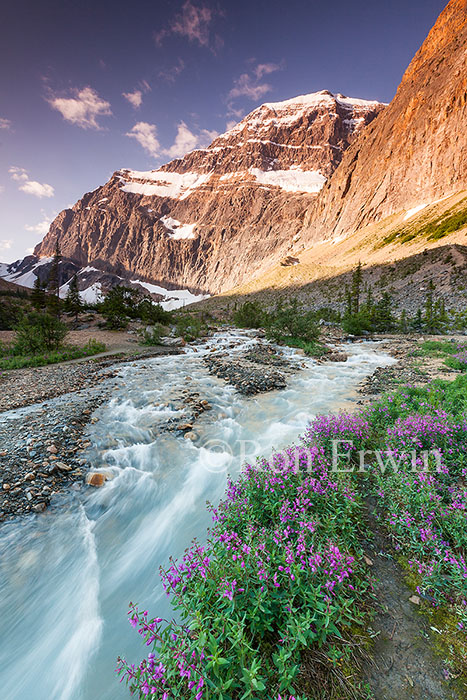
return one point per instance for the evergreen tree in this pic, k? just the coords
(38, 299)
(403, 323)
(73, 303)
(382, 318)
(418, 321)
(429, 319)
(357, 278)
(53, 284)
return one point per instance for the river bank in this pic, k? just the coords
(47, 459)
(93, 549)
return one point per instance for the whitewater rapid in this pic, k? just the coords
(66, 577)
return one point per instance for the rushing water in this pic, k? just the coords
(66, 577)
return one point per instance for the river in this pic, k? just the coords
(66, 577)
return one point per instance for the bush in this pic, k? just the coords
(120, 304)
(10, 313)
(291, 322)
(37, 332)
(249, 315)
(189, 327)
(151, 313)
(154, 336)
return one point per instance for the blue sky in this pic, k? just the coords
(89, 87)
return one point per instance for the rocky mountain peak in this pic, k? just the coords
(204, 221)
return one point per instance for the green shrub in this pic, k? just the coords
(151, 313)
(37, 332)
(290, 321)
(152, 337)
(249, 315)
(189, 327)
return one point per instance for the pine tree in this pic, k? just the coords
(53, 284)
(403, 324)
(429, 319)
(73, 303)
(418, 321)
(357, 278)
(38, 299)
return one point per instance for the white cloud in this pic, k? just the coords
(230, 124)
(38, 189)
(194, 23)
(265, 69)
(134, 98)
(18, 174)
(33, 187)
(146, 135)
(5, 245)
(83, 109)
(185, 140)
(41, 228)
(5, 124)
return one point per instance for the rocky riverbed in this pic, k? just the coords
(259, 369)
(41, 453)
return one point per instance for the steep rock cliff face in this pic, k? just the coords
(209, 220)
(415, 152)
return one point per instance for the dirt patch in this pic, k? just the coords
(404, 665)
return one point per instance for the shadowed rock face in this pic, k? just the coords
(210, 219)
(416, 150)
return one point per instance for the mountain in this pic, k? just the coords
(93, 282)
(416, 151)
(207, 221)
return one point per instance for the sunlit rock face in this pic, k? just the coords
(207, 221)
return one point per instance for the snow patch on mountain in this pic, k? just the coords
(162, 183)
(25, 279)
(173, 298)
(178, 230)
(293, 180)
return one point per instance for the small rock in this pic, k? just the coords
(6, 487)
(62, 467)
(39, 507)
(190, 436)
(415, 599)
(185, 426)
(96, 479)
(30, 476)
(367, 560)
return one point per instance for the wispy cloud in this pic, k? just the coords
(172, 73)
(5, 244)
(83, 108)
(5, 124)
(38, 189)
(42, 227)
(135, 98)
(251, 86)
(193, 23)
(185, 140)
(146, 135)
